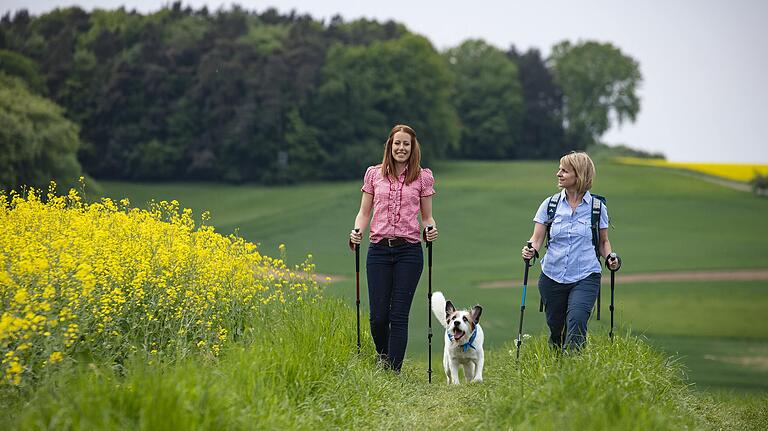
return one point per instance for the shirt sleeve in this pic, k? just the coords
(427, 183)
(604, 219)
(368, 180)
(541, 213)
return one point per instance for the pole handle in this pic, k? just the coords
(613, 255)
(529, 245)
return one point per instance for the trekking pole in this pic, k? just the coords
(519, 340)
(357, 289)
(429, 301)
(613, 278)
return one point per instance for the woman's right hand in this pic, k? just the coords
(355, 237)
(528, 253)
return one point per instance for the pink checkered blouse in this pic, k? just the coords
(396, 205)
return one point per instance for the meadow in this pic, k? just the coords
(661, 221)
(116, 317)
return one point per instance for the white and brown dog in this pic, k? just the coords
(463, 339)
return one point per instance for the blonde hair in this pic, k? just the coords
(388, 162)
(580, 163)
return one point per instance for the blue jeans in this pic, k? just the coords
(393, 274)
(568, 306)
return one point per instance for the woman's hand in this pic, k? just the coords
(528, 253)
(613, 261)
(432, 234)
(355, 237)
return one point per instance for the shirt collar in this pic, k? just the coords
(586, 199)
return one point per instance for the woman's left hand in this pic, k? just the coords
(432, 234)
(613, 263)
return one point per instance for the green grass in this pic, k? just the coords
(718, 329)
(299, 370)
(711, 309)
(662, 221)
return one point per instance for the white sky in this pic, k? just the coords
(704, 63)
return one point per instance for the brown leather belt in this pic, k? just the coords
(393, 242)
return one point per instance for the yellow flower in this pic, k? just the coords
(21, 296)
(732, 171)
(102, 274)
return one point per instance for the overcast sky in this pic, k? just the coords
(704, 63)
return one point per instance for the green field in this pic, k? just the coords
(662, 221)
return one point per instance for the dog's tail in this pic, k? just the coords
(438, 307)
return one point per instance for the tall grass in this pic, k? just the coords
(300, 370)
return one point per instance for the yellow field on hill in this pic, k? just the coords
(732, 171)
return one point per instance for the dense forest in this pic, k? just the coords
(244, 96)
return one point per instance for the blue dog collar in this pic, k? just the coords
(468, 344)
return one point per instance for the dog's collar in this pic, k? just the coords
(468, 344)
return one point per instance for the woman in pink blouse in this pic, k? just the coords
(396, 190)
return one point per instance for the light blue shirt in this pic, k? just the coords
(571, 255)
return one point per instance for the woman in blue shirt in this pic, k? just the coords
(570, 270)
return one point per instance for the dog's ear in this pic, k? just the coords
(477, 310)
(449, 308)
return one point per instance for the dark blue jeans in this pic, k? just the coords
(568, 306)
(393, 274)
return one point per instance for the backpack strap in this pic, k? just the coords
(551, 210)
(597, 208)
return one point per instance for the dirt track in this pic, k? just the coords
(648, 277)
(726, 275)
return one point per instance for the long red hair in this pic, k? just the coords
(388, 162)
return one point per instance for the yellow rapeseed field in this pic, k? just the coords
(731, 171)
(106, 280)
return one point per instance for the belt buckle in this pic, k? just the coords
(389, 242)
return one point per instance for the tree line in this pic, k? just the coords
(242, 96)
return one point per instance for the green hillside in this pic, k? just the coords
(662, 221)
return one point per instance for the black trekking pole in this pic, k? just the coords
(429, 301)
(519, 340)
(613, 279)
(357, 288)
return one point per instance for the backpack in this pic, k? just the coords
(597, 207)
